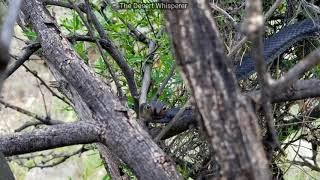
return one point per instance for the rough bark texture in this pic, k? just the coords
(122, 134)
(55, 136)
(228, 119)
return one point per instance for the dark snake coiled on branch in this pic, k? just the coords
(273, 47)
(278, 43)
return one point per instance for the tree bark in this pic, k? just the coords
(52, 137)
(227, 118)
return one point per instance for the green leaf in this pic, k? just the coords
(31, 35)
(106, 177)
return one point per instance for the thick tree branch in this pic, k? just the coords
(302, 89)
(52, 137)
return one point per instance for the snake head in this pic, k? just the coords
(153, 110)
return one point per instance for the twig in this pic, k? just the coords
(44, 120)
(43, 99)
(227, 15)
(47, 86)
(52, 155)
(26, 125)
(304, 162)
(150, 24)
(307, 164)
(272, 9)
(63, 156)
(135, 32)
(147, 69)
(29, 50)
(165, 82)
(245, 38)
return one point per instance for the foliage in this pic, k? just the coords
(30, 34)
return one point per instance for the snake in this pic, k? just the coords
(274, 46)
(278, 43)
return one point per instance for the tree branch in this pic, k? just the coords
(6, 36)
(52, 137)
(29, 50)
(297, 71)
(254, 27)
(44, 120)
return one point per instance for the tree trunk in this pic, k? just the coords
(227, 118)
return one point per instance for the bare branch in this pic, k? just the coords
(165, 82)
(301, 89)
(272, 9)
(52, 137)
(44, 120)
(108, 45)
(26, 125)
(35, 74)
(297, 71)
(29, 50)
(234, 50)
(147, 72)
(254, 27)
(227, 15)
